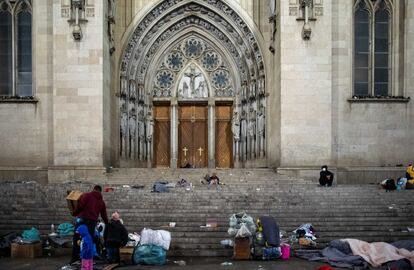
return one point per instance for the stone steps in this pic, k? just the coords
(354, 211)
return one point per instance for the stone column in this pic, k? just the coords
(211, 133)
(174, 133)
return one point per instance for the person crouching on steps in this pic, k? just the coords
(326, 177)
(86, 248)
(115, 236)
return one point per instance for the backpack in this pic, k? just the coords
(149, 255)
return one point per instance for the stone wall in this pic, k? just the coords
(306, 89)
(369, 134)
(25, 128)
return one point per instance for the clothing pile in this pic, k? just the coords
(153, 247)
(357, 254)
(266, 241)
(305, 234)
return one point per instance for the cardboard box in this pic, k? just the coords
(26, 250)
(72, 199)
(241, 250)
(125, 254)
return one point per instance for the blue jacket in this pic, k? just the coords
(86, 243)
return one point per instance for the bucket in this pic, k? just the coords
(285, 251)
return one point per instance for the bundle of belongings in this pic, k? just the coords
(357, 254)
(242, 227)
(306, 235)
(266, 241)
(153, 247)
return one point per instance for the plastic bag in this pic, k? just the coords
(149, 255)
(65, 229)
(243, 232)
(160, 238)
(31, 235)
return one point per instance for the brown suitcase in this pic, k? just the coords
(241, 249)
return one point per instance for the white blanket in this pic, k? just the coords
(379, 252)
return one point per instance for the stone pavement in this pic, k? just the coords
(198, 263)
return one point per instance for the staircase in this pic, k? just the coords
(346, 211)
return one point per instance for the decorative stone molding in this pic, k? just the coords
(77, 16)
(183, 41)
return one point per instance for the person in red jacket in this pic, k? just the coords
(90, 206)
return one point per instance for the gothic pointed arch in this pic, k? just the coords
(191, 49)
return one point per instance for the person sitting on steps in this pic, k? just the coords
(326, 177)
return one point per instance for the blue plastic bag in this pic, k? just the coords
(31, 235)
(65, 229)
(149, 255)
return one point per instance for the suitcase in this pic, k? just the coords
(241, 249)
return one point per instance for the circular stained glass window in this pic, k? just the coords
(220, 78)
(211, 61)
(164, 79)
(175, 61)
(193, 47)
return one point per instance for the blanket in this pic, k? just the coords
(379, 252)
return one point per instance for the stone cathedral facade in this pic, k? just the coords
(287, 84)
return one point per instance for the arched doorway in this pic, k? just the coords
(192, 89)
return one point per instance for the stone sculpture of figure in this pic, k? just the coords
(272, 21)
(252, 123)
(243, 136)
(261, 125)
(123, 87)
(132, 90)
(149, 126)
(235, 126)
(124, 128)
(192, 75)
(251, 129)
(185, 91)
(132, 133)
(141, 133)
(111, 25)
(201, 90)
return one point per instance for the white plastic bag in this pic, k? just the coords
(159, 238)
(243, 231)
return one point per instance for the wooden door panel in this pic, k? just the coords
(200, 143)
(185, 143)
(193, 136)
(224, 137)
(161, 136)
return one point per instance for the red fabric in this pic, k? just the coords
(90, 205)
(325, 267)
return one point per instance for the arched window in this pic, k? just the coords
(372, 48)
(15, 48)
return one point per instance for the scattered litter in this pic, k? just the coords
(108, 189)
(391, 230)
(180, 263)
(257, 189)
(126, 186)
(260, 267)
(226, 263)
(410, 229)
(172, 224)
(211, 223)
(390, 207)
(138, 186)
(227, 243)
(68, 267)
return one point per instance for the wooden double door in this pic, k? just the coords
(192, 136)
(193, 147)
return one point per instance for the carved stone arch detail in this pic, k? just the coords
(211, 58)
(237, 66)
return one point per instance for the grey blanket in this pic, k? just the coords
(337, 254)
